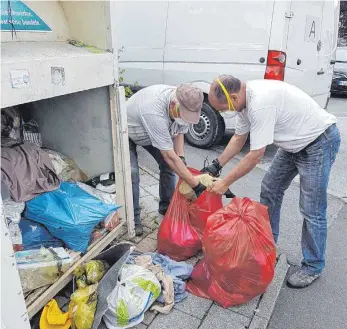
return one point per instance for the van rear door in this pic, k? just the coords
(208, 38)
(304, 35)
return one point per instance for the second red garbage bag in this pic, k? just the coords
(181, 230)
(239, 254)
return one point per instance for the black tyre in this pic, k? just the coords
(210, 129)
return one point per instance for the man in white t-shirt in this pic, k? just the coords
(274, 112)
(158, 118)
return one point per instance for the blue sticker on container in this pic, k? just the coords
(17, 16)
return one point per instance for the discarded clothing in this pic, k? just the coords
(27, 171)
(179, 271)
(168, 293)
(35, 236)
(69, 214)
(53, 318)
(65, 168)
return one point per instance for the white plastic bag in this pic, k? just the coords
(135, 292)
(102, 196)
(13, 210)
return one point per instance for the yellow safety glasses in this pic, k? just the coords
(230, 103)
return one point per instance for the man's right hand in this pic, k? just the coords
(199, 189)
(214, 169)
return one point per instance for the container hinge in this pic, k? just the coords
(289, 14)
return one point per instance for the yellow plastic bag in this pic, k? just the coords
(82, 307)
(53, 318)
(90, 273)
(95, 270)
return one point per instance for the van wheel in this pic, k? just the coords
(210, 129)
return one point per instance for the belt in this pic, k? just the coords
(323, 134)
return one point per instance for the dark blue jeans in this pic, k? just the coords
(313, 164)
(167, 180)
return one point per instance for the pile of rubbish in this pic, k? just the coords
(236, 240)
(49, 203)
(117, 289)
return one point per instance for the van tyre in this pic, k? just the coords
(210, 129)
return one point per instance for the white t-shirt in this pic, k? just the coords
(149, 122)
(281, 114)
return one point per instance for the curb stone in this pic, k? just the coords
(264, 309)
(268, 300)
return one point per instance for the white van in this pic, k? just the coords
(171, 42)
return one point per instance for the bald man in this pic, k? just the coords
(275, 112)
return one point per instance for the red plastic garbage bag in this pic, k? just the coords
(182, 228)
(239, 254)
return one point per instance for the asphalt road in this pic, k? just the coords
(324, 304)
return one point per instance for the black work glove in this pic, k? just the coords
(199, 189)
(214, 169)
(183, 159)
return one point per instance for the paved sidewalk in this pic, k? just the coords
(195, 312)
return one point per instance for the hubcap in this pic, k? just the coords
(201, 129)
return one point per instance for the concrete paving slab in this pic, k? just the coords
(220, 318)
(149, 317)
(154, 235)
(150, 203)
(247, 309)
(258, 323)
(323, 304)
(147, 180)
(143, 192)
(147, 245)
(137, 239)
(175, 320)
(194, 306)
(153, 190)
(140, 326)
(150, 220)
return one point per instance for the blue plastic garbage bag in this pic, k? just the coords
(69, 213)
(35, 236)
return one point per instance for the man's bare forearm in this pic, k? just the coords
(179, 145)
(177, 165)
(233, 148)
(244, 166)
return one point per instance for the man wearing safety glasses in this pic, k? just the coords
(274, 112)
(158, 118)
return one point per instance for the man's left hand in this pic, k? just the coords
(219, 187)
